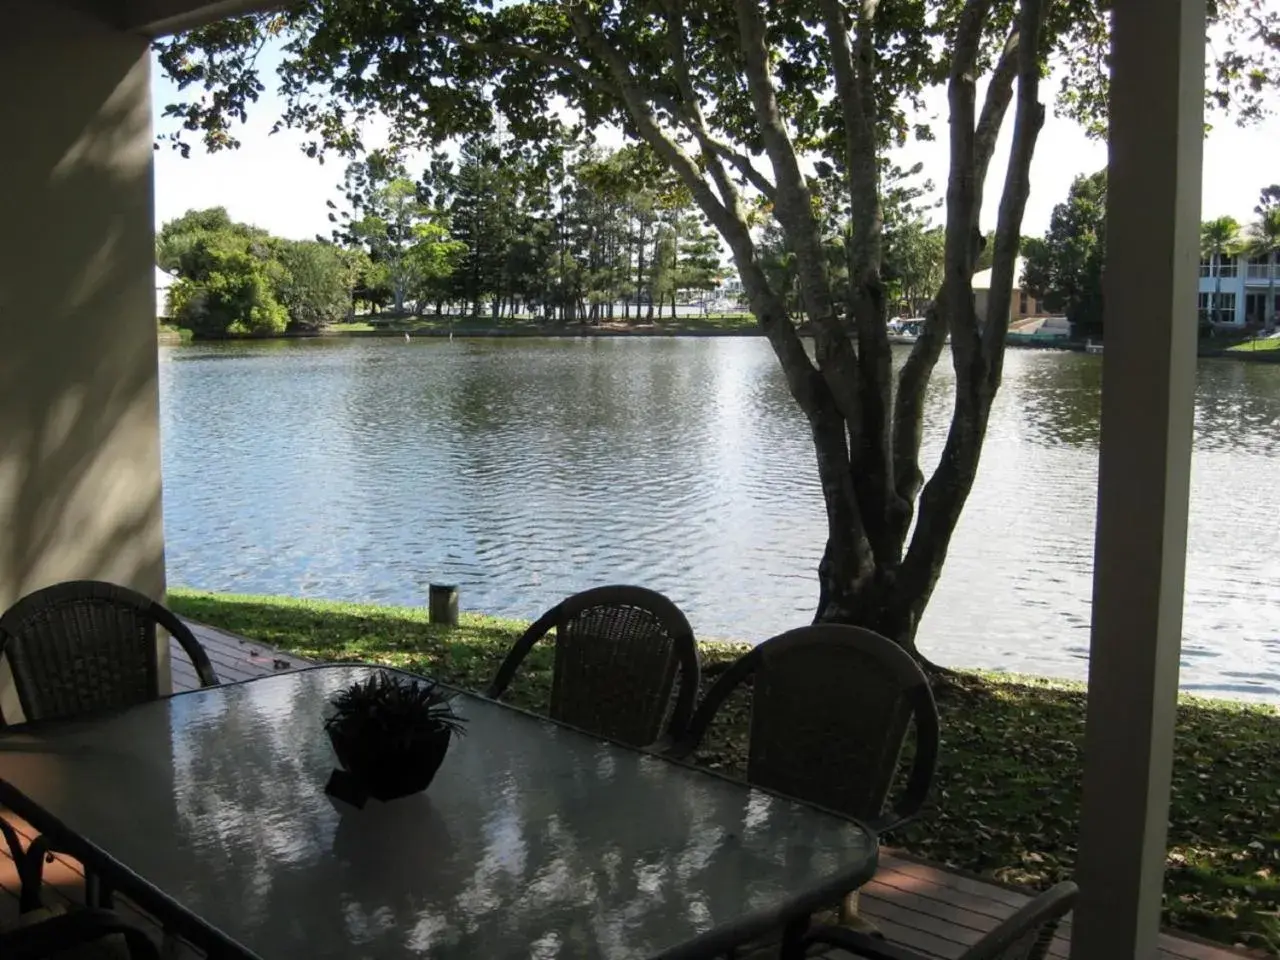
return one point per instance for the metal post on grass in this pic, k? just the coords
(442, 603)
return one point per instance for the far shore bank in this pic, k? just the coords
(1005, 803)
(171, 336)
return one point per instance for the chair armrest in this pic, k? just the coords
(74, 929)
(857, 943)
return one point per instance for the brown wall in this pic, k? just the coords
(79, 429)
(1033, 308)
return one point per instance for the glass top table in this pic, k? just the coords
(534, 840)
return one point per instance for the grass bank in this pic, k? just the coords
(1260, 345)
(725, 323)
(1006, 800)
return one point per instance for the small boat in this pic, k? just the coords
(905, 330)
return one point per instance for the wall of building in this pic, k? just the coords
(1241, 293)
(1016, 312)
(79, 428)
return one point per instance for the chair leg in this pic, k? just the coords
(92, 889)
(793, 939)
(851, 916)
(27, 865)
(31, 871)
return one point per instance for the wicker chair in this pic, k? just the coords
(830, 711)
(618, 650)
(79, 647)
(84, 646)
(1024, 936)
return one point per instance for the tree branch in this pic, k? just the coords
(837, 425)
(994, 107)
(793, 208)
(533, 54)
(953, 307)
(962, 223)
(853, 67)
(744, 166)
(1017, 186)
(978, 376)
(859, 129)
(766, 304)
(691, 109)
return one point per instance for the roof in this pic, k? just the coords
(982, 279)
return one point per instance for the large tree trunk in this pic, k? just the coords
(878, 570)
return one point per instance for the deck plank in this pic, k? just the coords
(918, 905)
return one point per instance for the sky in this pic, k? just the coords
(270, 183)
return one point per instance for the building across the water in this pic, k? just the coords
(1021, 305)
(1234, 290)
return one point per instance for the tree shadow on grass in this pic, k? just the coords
(1007, 800)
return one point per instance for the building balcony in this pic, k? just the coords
(1262, 271)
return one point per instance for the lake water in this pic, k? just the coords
(525, 470)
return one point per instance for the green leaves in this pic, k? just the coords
(1064, 269)
(234, 279)
(388, 706)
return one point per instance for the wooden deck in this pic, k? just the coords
(933, 911)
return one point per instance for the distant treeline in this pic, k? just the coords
(490, 234)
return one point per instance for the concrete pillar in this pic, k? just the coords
(1153, 214)
(79, 425)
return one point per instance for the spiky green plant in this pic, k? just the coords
(391, 707)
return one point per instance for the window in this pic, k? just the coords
(1226, 312)
(1218, 266)
(1226, 307)
(1022, 302)
(1255, 307)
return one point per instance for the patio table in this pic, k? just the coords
(208, 810)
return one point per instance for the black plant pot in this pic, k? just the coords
(390, 770)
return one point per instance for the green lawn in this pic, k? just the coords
(1269, 343)
(1006, 799)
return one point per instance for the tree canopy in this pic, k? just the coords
(786, 110)
(235, 279)
(1064, 269)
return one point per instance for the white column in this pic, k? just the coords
(79, 411)
(1153, 215)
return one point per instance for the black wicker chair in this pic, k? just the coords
(83, 646)
(618, 651)
(830, 710)
(1024, 936)
(79, 647)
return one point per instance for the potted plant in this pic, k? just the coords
(391, 732)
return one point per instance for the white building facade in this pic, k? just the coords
(1234, 290)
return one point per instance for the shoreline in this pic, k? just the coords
(171, 337)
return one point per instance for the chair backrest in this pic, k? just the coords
(82, 646)
(618, 651)
(830, 710)
(1027, 934)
